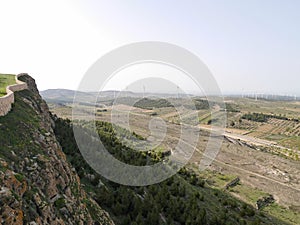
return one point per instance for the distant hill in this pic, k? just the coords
(67, 96)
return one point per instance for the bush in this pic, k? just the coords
(19, 177)
(59, 203)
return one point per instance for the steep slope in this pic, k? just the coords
(184, 198)
(37, 184)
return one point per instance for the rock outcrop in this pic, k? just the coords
(265, 201)
(37, 184)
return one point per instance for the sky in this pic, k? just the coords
(249, 46)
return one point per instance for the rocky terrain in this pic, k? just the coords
(37, 184)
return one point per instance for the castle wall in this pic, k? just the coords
(7, 100)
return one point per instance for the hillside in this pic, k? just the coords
(45, 180)
(37, 184)
(185, 198)
(263, 166)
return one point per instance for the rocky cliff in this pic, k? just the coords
(37, 184)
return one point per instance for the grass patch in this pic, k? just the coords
(216, 179)
(284, 214)
(276, 137)
(250, 195)
(6, 80)
(292, 142)
(18, 128)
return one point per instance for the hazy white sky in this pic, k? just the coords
(152, 77)
(249, 45)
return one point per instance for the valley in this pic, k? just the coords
(263, 165)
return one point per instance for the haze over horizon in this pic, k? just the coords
(249, 46)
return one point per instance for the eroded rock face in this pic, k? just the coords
(37, 184)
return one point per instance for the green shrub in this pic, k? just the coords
(59, 203)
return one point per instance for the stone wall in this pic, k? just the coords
(7, 100)
(233, 183)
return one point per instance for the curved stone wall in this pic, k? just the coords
(7, 100)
